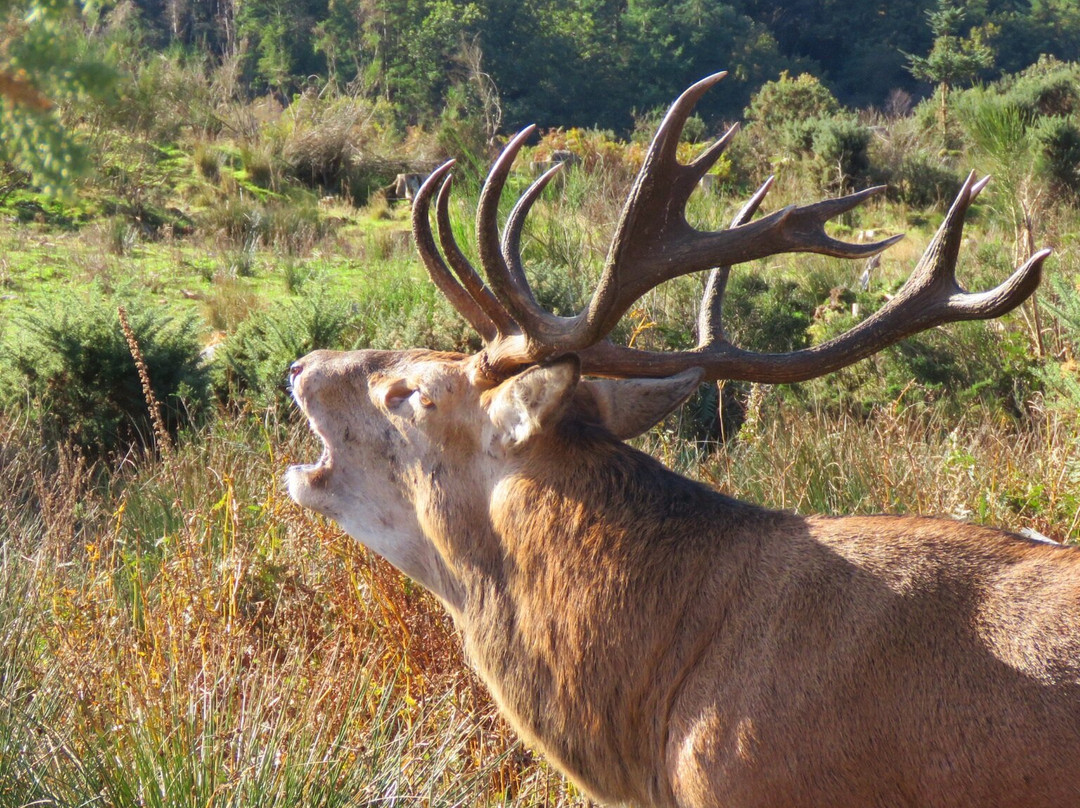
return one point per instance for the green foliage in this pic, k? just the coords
(243, 223)
(1027, 128)
(1049, 87)
(967, 366)
(1045, 99)
(252, 363)
(802, 119)
(913, 170)
(281, 52)
(767, 316)
(788, 101)
(953, 59)
(70, 367)
(854, 46)
(338, 144)
(842, 146)
(1058, 159)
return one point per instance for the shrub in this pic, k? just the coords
(915, 172)
(789, 100)
(842, 146)
(207, 159)
(1058, 153)
(799, 118)
(252, 363)
(243, 223)
(1048, 87)
(958, 367)
(335, 147)
(71, 366)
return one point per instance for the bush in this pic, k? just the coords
(252, 363)
(799, 118)
(914, 171)
(842, 146)
(1058, 157)
(291, 225)
(964, 365)
(72, 368)
(1049, 87)
(1029, 125)
(787, 100)
(336, 147)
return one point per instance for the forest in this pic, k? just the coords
(502, 64)
(588, 63)
(195, 194)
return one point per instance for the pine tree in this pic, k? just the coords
(952, 59)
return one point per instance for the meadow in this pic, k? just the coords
(174, 631)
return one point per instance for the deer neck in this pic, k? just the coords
(574, 623)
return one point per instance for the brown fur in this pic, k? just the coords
(667, 645)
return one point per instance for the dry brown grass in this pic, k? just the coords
(184, 627)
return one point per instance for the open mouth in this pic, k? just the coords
(303, 480)
(300, 478)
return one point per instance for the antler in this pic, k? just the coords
(654, 243)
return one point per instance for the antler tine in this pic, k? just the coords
(666, 140)
(931, 296)
(934, 279)
(507, 286)
(701, 164)
(710, 322)
(466, 274)
(520, 297)
(459, 296)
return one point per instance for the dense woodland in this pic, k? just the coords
(581, 62)
(194, 194)
(501, 64)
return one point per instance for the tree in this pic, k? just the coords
(952, 58)
(281, 35)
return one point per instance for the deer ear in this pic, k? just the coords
(629, 407)
(529, 402)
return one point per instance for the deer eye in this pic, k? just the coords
(425, 400)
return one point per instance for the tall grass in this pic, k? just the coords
(921, 458)
(183, 635)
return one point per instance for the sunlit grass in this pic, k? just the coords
(186, 636)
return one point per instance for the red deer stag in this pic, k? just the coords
(661, 643)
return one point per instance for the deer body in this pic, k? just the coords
(667, 645)
(664, 644)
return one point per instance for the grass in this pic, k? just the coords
(182, 634)
(185, 635)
